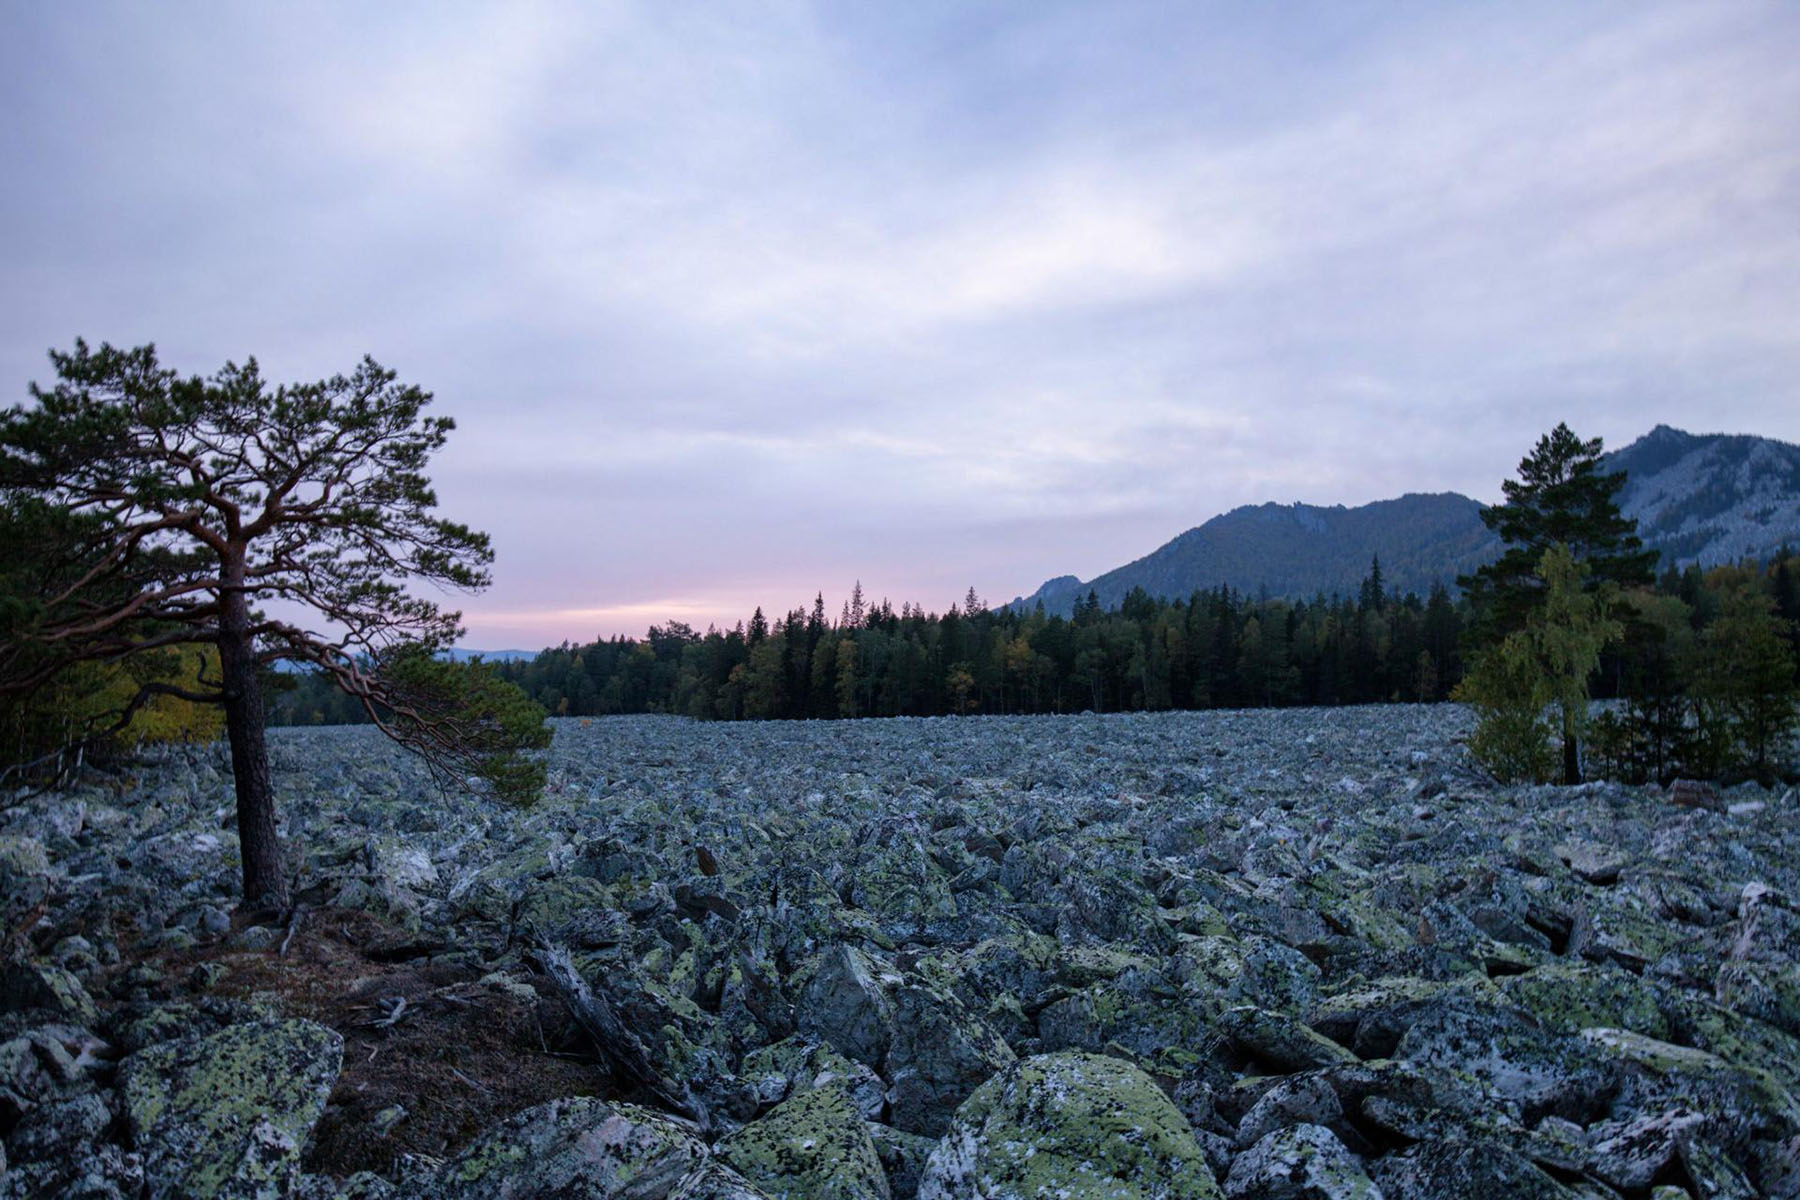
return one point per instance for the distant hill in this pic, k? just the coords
(1707, 498)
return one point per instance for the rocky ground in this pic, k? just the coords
(1258, 954)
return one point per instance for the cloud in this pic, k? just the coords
(736, 301)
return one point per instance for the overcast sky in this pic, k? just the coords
(735, 303)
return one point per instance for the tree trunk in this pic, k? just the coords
(265, 879)
(1571, 759)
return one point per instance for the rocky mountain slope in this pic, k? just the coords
(1259, 954)
(1711, 498)
(1707, 498)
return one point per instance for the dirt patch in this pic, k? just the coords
(432, 1055)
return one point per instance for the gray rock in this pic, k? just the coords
(1300, 1100)
(576, 1149)
(903, 1156)
(845, 1003)
(1631, 1154)
(939, 1054)
(50, 988)
(1545, 1072)
(1282, 1040)
(1464, 1170)
(1300, 1162)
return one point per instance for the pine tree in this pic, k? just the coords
(1561, 497)
(192, 501)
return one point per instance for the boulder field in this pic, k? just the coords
(1254, 955)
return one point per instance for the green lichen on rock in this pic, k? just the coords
(1282, 1040)
(24, 875)
(1570, 997)
(226, 1115)
(572, 1148)
(1072, 1126)
(49, 987)
(814, 1146)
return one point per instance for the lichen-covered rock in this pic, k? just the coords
(1297, 1100)
(364, 1185)
(1631, 1154)
(1570, 997)
(1139, 1011)
(1301, 1162)
(1074, 1126)
(1743, 1110)
(715, 1181)
(1545, 1072)
(813, 1146)
(60, 1127)
(800, 1064)
(1767, 992)
(903, 1156)
(25, 876)
(227, 1114)
(904, 895)
(580, 1148)
(42, 985)
(1371, 1017)
(845, 1003)
(1464, 1170)
(940, 1053)
(1282, 1040)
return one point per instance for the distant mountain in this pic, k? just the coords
(1712, 497)
(1707, 498)
(1298, 550)
(460, 655)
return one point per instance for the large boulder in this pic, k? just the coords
(845, 1004)
(940, 1053)
(226, 1114)
(580, 1148)
(814, 1146)
(1072, 1125)
(1545, 1072)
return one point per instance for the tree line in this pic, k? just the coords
(1215, 649)
(1675, 661)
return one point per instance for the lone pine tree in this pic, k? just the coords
(1563, 498)
(174, 508)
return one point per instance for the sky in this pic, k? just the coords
(737, 303)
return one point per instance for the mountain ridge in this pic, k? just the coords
(1706, 498)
